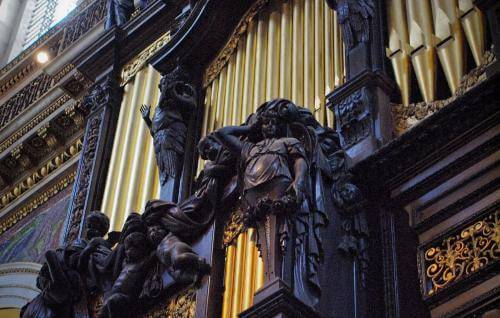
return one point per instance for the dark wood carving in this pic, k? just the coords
(353, 118)
(354, 16)
(169, 125)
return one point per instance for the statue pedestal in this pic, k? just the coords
(276, 300)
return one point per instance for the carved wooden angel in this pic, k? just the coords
(169, 123)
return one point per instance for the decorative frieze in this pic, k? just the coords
(11, 219)
(40, 174)
(24, 98)
(462, 253)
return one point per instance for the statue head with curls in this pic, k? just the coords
(176, 87)
(97, 225)
(273, 116)
(208, 148)
(136, 247)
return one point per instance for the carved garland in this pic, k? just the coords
(11, 219)
(225, 54)
(462, 254)
(42, 172)
(233, 228)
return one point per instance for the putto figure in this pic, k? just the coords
(168, 127)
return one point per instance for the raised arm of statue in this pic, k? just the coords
(229, 137)
(146, 115)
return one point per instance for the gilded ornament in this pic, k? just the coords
(181, 306)
(137, 63)
(462, 254)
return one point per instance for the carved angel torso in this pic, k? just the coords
(269, 159)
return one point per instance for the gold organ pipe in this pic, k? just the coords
(237, 91)
(248, 84)
(309, 55)
(238, 275)
(109, 192)
(124, 164)
(215, 105)
(249, 271)
(228, 91)
(422, 43)
(298, 52)
(150, 174)
(220, 97)
(134, 194)
(338, 52)
(273, 55)
(286, 51)
(473, 25)
(329, 34)
(398, 50)
(261, 64)
(450, 46)
(319, 60)
(228, 282)
(259, 273)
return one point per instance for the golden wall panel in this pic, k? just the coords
(291, 49)
(132, 176)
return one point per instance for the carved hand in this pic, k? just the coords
(299, 187)
(145, 111)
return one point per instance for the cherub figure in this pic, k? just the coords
(128, 286)
(93, 259)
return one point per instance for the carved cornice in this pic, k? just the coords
(406, 117)
(463, 252)
(227, 51)
(11, 82)
(35, 121)
(40, 174)
(181, 306)
(136, 64)
(12, 218)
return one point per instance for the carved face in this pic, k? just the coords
(136, 247)
(97, 225)
(271, 127)
(156, 233)
(208, 148)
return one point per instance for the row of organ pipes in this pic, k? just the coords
(421, 29)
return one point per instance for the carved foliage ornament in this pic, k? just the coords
(353, 117)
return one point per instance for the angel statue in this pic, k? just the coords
(278, 148)
(354, 17)
(168, 127)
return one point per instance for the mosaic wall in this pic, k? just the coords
(41, 230)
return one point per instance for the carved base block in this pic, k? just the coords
(276, 300)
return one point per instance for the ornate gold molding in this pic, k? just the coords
(233, 228)
(40, 174)
(63, 72)
(11, 219)
(227, 51)
(138, 62)
(17, 78)
(181, 306)
(406, 117)
(460, 255)
(35, 121)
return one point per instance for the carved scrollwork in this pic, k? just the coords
(462, 254)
